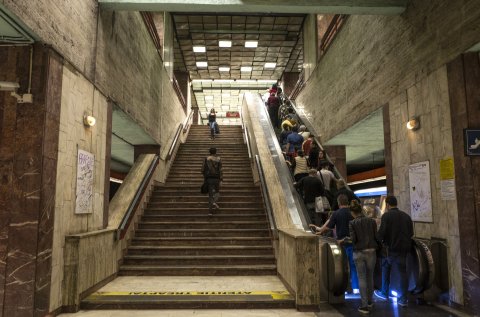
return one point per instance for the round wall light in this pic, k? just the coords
(413, 124)
(89, 121)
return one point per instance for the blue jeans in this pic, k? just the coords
(353, 269)
(400, 263)
(365, 262)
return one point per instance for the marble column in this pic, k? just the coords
(464, 93)
(28, 156)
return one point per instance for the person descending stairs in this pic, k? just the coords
(177, 237)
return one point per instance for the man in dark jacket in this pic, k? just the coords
(396, 232)
(311, 187)
(363, 234)
(213, 176)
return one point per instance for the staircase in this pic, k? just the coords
(177, 237)
(181, 258)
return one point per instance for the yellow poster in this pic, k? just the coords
(447, 170)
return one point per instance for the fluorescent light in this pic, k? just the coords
(225, 43)
(224, 69)
(208, 97)
(250, 81)
(116, 180)
(226, 95)
(223, 80)
(246, 68)
(199, 49)
(270, 65)
(202, 64)
(267, 81)
(251, 44)
(368, 180)
(209, 105)
(201, 80)
(376, 191)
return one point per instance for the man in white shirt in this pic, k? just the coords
(326, 176)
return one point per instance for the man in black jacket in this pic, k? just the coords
(396, 232)
(311, 187)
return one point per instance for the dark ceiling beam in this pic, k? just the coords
(381, 7)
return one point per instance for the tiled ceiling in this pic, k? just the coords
(225, 96)
(279, 40)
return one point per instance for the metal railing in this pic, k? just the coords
(174, 142)
(188, 122)
(127, 218)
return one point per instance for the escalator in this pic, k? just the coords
(334, 277)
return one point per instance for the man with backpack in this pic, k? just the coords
(213, 176)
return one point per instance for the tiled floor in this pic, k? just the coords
(192, 313)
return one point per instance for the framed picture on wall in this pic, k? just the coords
(472, 141)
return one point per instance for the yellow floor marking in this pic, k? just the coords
(274, 294)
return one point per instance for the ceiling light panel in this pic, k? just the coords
(251, 44)
(270, 65)
(246, 68)
(199, 49)
(225, 43)
(202, 64)
(224, 69)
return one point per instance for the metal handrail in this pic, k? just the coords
(188, 122)
(266, 197)
(247, 141)
(174, 143)
(127, 218)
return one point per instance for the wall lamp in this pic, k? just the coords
(413, 124)
(89, 121)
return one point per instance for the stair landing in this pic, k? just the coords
(191, 292)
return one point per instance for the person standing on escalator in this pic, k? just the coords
(396, 232)
(273, 104)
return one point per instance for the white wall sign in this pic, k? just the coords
(420, 194)
(84, 194)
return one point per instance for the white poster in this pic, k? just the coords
(84, 194)
(420, 194)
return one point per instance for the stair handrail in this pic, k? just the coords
(174, 142)
(266, 197)
(304, 120)
(188, 122)
(127, 218)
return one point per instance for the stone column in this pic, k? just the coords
(388, 148)
(338, 156)
(464, 93)
(28, 159)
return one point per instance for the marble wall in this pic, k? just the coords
(310, 41)
(28, 160)
(429, 100)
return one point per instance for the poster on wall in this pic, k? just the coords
(420, 193)
(447, 179)
(84, 193)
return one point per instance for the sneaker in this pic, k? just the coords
(370, 305)
(216, 206)
(380, 295)
(364, 310)
(402, 303)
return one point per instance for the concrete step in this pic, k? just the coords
(192, 242)
(203, 224)
(196, 270)
(202, 232)
(198, 259)
(201, 218)
(167, 249)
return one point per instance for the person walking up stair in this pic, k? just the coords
(212, 173)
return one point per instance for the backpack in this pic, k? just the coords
(212, 169)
